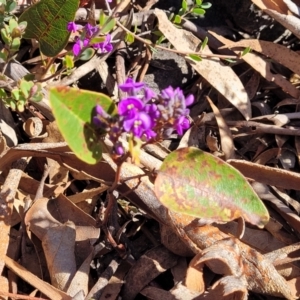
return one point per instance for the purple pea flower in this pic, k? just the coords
(140, 123)
(90, 30)
(72, 27)
(180, 124)
(130, 106)
(130, 86)
(79, 44)
(104, 46)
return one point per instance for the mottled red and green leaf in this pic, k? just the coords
(199, 184)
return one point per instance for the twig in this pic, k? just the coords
(150, 44)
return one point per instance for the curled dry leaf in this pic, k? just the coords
(221, 77)
(53, 222)
(261, 275)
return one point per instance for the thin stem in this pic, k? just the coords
(150, 44)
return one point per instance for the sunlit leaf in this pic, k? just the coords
(47, 22)
(204, 43)
(206, 5)
(109, 25)
(198, 11)
(195, 57)
(184, 4)
(177, 19)
(199, 184)
(246, 51)
(73, 110)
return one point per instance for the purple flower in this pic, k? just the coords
(104, 46)
(140, 123)
(130, 86)
(79, 44)
(72, 27)
(148, 94)
(130, 106)
(180, 124)
(90, 30)
(118, 148)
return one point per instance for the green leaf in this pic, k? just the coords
(11, 5)
(3, 54)
(206, 5)
(108, 26)
(15, 45)
(129, 38)
(181, 11)
(47, 22)
(2, 93)
(204, 43)
(246, 51)
(195, 57)
(12, 24)
(73, 110)
(15, 93)
(199, 184)
(5, 36)
(98, 39)
(198, 11)
(102, 18)
(87, 54)
(177, 19)
(199, 2)
(184, 4)
(25, 87)
(68, 61)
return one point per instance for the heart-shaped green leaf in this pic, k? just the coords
(47, 22)
(73, 110)
(199, 184)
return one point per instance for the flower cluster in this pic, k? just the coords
(86, 38)
(145, 115)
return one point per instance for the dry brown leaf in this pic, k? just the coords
(281, 208)
(180, 292)
(7, 196)
(277, 5)
(257, 268)
(280, 53)
(268, 175)
(36, 282)
(221, 77)
(149, 266)
(52, 221)
(228, 288)
(252, 85)
(80, 281)
(256, 238)
(86, 194)
(113, 288)
(291, 23)
(225, 133)
(264, 68)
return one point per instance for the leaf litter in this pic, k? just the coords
(51, 244)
